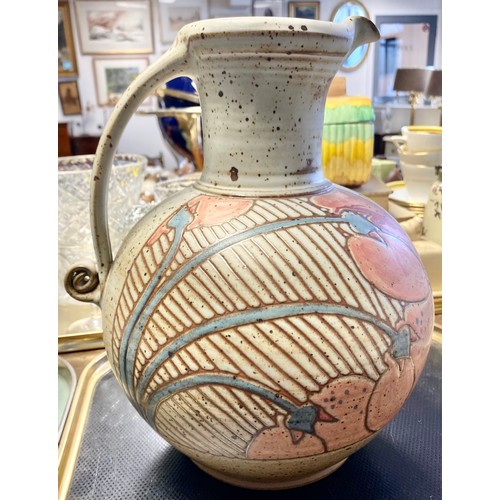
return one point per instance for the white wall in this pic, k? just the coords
(143, 135)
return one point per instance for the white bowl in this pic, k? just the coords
(418, 181)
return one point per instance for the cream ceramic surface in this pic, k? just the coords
(431, 254)
(418, 180)
(430, 158)
(433, 214)
(266, 322)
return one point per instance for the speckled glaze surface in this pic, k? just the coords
(264, 321)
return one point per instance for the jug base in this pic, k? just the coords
(270, 485)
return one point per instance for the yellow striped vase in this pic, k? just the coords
(348, 137)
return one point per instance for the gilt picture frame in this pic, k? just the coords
(67, 65)
(69, 97)
(113, 76)
(115, 27)
(304, 10)
(176, 14)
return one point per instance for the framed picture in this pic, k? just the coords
(229, 8)
(267, 8)
(66, 48)
(122, 27)
(113, 76)
(305, 10)
(70, 98)
(175, 14)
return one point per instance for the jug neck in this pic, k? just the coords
(262, 115)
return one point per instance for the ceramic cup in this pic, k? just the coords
(422, 138)
(430, 158)
(418, 180)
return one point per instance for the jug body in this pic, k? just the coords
(266, 322)
(268, 338)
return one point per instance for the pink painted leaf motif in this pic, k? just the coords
(211, 210)
(391, 266)
(391, 391)
(385, 256)
(345, 399)
(340, 201)
(419, 317)
(279, 442)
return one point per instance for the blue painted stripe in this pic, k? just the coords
(137, 320)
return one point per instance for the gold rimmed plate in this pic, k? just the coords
(400, 196)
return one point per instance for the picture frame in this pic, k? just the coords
(177, 13)
(115, 27)
(67, 66)
(304, 10)
(228, 8)
(113, 76)
(267, 8)
(69, 97)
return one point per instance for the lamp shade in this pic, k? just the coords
(411, 79)
(434, 85)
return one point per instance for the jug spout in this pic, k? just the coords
(364, 31)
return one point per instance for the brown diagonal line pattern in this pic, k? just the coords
(304, 263)
(338, 259)
(318, 362)
(225, 413)
(254, 277)
(335, 354)
(237, 360)
(263, 360)
(364, 357)
(301, 205)
(193, 242)
(337, 242)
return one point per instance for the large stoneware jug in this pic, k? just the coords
(266, 322)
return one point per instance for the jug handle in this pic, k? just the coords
(82, 281)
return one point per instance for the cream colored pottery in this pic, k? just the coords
(266, 322)
(433, 214)
(418, 180)
(430, 158)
